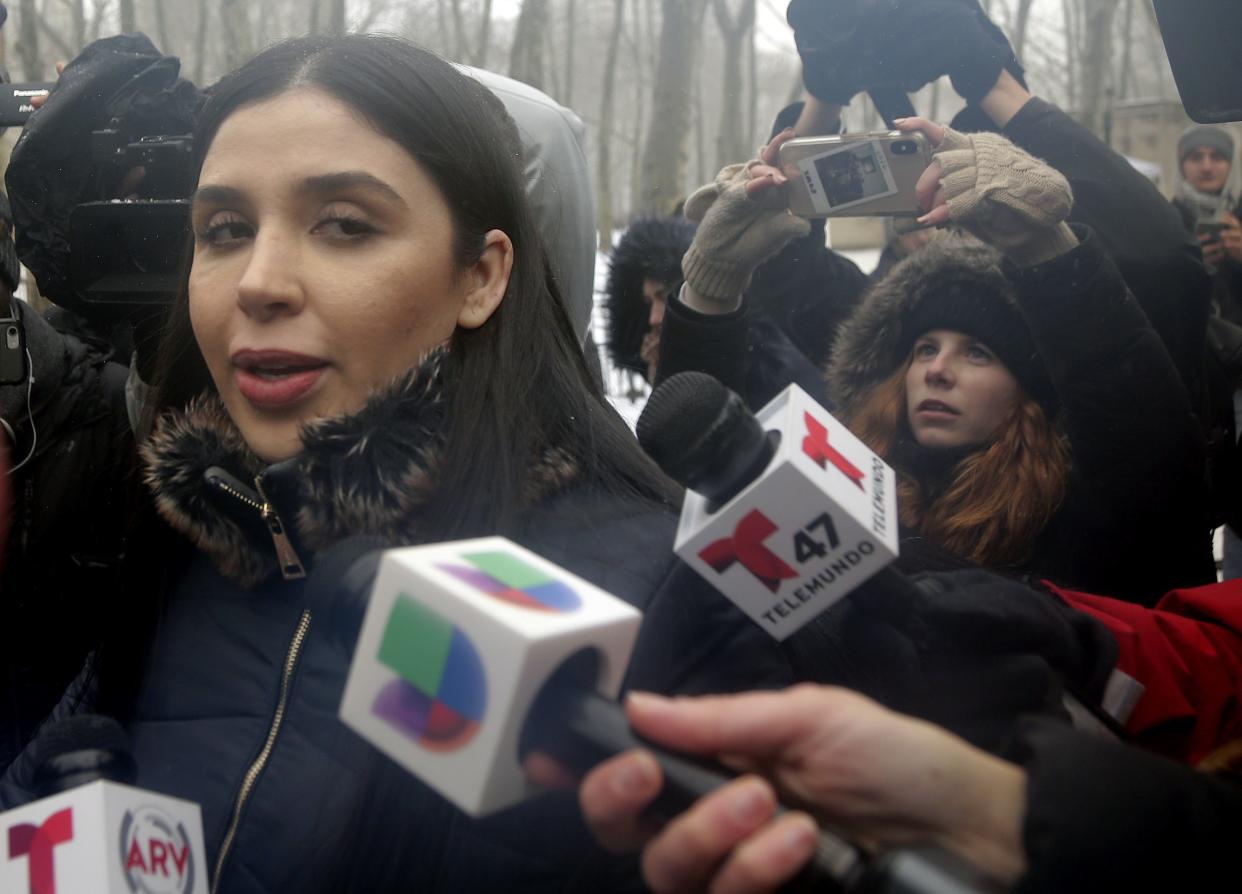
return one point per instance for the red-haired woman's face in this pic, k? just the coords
(958, 393)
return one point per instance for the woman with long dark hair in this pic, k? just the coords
(369, 343)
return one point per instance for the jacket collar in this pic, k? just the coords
(370, 472)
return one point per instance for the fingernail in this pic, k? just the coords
(923, 219)
(800, 838)
(635, 776)
(748, 805)
(900, 120)
(642, 700)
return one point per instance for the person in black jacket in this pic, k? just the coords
(369, 344)
(69, 448)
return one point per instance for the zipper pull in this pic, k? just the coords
(291, 566)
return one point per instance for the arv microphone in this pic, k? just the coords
(470, 655)
(786, 511)
(92, 830)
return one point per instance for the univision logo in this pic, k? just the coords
(440, 694)
(509, 579)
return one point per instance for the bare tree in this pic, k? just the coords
(161, 27)
(570, 42)
(129, 21)
(526, 59)
(1021, 18)
(1096, 69)
(731, 139)
(28, 41)
(238, 40)
(200, 38)
(336, 21)
(604, 213)
(485, 35)
(664, 153)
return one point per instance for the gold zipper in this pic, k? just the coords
(291, 567)
(286, 556)
(256, 769)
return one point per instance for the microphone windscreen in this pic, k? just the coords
(78, 733)
(703, 436)
(678, 414)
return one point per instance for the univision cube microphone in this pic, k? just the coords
(93, 832)
(457, 641)
(786, 512)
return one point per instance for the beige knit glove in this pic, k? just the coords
(1005, 196)
(736, 235)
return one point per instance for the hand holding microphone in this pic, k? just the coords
(885, 778)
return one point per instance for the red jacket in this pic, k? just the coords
(1187, 652)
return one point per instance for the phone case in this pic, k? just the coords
(855, 175)
(12, 352)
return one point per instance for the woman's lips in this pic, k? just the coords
(936, 408)
(275, 379)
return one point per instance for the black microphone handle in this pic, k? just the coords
(581, 728)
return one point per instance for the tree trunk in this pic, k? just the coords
(161, 26)
(1071, 53)
(570, 42)
(1020, 20)
(28, 41)
(200, 41)
(459, 32)
(312, 26)
(129, 22)
(78, 14)
(238, 41)
(485, 36)
(731, 140)
(1097, 66)
(664, 153)
(1127, 59)
(336, 22)
(526, 59)
(640, 112)
(604, 213)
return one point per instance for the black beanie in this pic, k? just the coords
(10, 267)
(962, 306)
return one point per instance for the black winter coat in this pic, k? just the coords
(242, 679)
(64, 550)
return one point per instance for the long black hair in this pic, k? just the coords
(517, 383)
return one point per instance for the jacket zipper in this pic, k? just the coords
(291, 567)
(256, 768)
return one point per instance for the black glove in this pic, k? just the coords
(852, 45)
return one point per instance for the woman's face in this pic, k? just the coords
(957, 392)
(323, 266)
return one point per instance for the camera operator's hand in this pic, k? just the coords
(888, 779)
(744, 220)
(38, 101)
(1230, 239)
(999, 193)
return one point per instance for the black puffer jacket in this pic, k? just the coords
(233, 632)
(68, 512)
(1134, 520)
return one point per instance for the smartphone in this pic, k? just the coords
(15, 105)
(12, 351)
(1213, 230)
(855, 175)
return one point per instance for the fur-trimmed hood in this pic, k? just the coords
(370, 472)
(650, 248)
(874, 341)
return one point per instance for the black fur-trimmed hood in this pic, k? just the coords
(872, 342)
(370, 472)
(650, 248)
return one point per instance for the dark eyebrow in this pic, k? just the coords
(329, 183)
(322, 184)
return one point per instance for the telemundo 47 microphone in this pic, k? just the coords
(92, 831)
(468, 656)
(786, 511)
